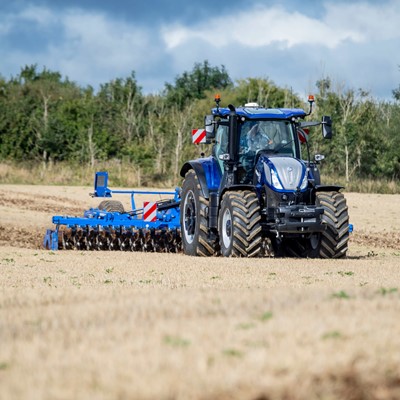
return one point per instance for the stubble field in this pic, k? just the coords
(115, 325)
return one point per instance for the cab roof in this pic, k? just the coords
(262, 113)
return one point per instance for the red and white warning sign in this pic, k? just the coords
(149, 211)
(303, 135)
(198, 136)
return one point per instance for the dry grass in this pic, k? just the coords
(140, 325)
(123, 174)
(365, 185)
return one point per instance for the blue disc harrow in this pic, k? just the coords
(155, 227)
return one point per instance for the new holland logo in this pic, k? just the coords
(290, 175)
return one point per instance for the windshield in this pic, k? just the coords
(273, 136)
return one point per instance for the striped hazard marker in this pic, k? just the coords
(149, 211)
(303, 135)
(198, 136)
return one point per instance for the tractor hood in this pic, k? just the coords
(282, 174)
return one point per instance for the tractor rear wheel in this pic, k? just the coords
(334, 240)
(112, 206)
(194, 220)
(239, 225)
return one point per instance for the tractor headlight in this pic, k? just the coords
(275, 180)
(304, 183)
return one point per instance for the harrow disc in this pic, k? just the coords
(79, 240)
(91, 240)
(145, 240)
(124, 241)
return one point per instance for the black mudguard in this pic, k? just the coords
(328, 188)
(198, 168)
(236, 187)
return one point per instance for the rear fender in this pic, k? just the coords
(234, 188)
(207, 171)
(328, 188)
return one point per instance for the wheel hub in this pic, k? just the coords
(227, 228)
(189, 220)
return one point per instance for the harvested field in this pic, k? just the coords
(143, 326)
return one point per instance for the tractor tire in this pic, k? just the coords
(239, 225)
(334, 241)
(194, 220)
(111, 206)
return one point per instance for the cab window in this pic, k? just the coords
(221, 143)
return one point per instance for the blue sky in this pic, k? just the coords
(292, 42)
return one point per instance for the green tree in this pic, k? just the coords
(360, 131)
(122, 107)
(264, 92)
(193, 85)
(32, 100)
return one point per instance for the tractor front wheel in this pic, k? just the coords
(331, 243)
(239, 225)
(334, 240)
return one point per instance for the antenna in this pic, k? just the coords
(291, 96)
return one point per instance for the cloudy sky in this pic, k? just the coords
(292, 42)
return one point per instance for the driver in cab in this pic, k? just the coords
(264, 135)
(257, 139)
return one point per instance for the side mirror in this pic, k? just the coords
(326, 127)
(209, 126)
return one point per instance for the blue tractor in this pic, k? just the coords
(255, 194)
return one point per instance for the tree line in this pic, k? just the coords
(46, 118)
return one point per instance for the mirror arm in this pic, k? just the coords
(306, 124)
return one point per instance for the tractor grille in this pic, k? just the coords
(274, 200)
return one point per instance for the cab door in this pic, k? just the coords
(221, 145)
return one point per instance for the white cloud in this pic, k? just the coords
(31, 14)
(88, 47)
(263, 26)
(377, 21)
(40, 15)
(355, 41)
(97, 42)
(351, 42)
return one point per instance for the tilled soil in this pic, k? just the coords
(24, 199)
(78, 324)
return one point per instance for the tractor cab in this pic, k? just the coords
(258, 131)
(256, 137)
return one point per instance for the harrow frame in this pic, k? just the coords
(106, 224)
